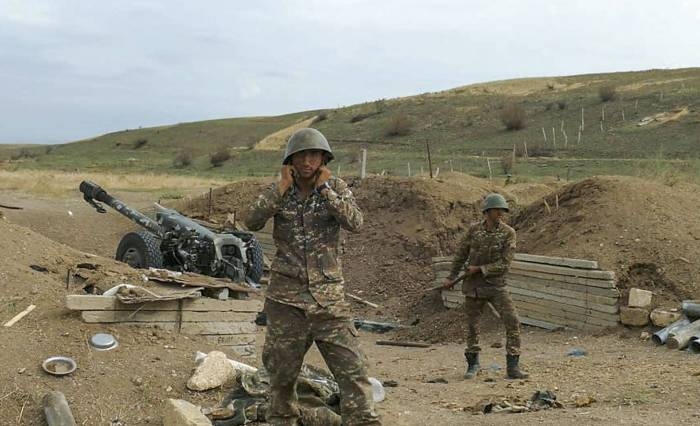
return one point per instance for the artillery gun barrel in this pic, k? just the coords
(93, 192)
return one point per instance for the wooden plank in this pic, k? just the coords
(19, 316)
(557, 261)
(524, 257)
(444, 266)
(555, 281)
(193, 316)
(568, 322)
(565, 313)
(539, 323)
(79, 302)
(556, 290)
(231, 339)
(455, 299)
(582, 313)
(218, 327)
(129, 316)
(244, 351)
(538, 295)
(565, 279)
(452, 305)
(538, 312)
(560, 270)
(535, 317)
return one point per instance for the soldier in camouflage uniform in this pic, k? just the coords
(305, 301)
(487, 252)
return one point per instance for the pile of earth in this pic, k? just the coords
(407, 221)
(645, 231)
(127, 385)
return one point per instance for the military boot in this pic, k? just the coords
(513, 369)
(472, 365)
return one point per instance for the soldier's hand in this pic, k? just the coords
(324, 173)
(286, 179)
(473, 269)
(448, 284)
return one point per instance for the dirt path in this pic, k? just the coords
(278, 140)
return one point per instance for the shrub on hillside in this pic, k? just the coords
(140, 143)
(561, 104)
(218, 158)
(24, 153)
(607, 93)
(183, 159)
(399, 125)
(513, 117)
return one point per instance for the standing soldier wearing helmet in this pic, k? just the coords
(486, 252)
(305, 301)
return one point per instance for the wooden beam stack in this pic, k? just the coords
(552, 292)
(227, 323)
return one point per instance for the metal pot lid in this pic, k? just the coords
(103, 342)
(59, 365)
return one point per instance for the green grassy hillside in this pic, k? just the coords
(462, 125)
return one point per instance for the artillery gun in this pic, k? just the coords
(178, 243)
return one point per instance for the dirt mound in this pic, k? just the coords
(645, 231)
(407, 221)
(125, 386)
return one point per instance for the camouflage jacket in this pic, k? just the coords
(492, 251)
(306, 270)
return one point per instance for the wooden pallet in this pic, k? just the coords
(226, 323)
(551, 292)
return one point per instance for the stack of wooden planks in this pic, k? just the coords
(552, 292)
(227, 323)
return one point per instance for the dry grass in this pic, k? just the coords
(50, 183)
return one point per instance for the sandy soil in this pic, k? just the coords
(631, 381)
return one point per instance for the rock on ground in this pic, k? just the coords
(213, 372)
(179, 412)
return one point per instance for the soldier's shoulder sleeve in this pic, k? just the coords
(264, 207)
(511, 235)
(342, 205)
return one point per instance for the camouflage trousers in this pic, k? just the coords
(503, 304)
(290, 333)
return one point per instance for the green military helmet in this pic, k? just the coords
(494, 201)
(304, 139)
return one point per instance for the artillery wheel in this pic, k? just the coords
(140, 250)
(256, 263)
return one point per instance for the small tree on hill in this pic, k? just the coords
(218, 158)
(399, 125)
(513, 117)
(607, 93)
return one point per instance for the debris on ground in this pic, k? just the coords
(540, 400)
(212, 372)
(577, 352)
(179, 412)
(661, 317)
(375, 326)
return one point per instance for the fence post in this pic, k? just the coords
(430, 161)
(363, 164)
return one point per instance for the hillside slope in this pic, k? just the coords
(462, 125)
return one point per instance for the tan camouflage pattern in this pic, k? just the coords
(502, 302)
(305, 301)
(290, 333)
(492, 251)
(306, 269)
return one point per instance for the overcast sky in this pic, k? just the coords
(71, 69)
